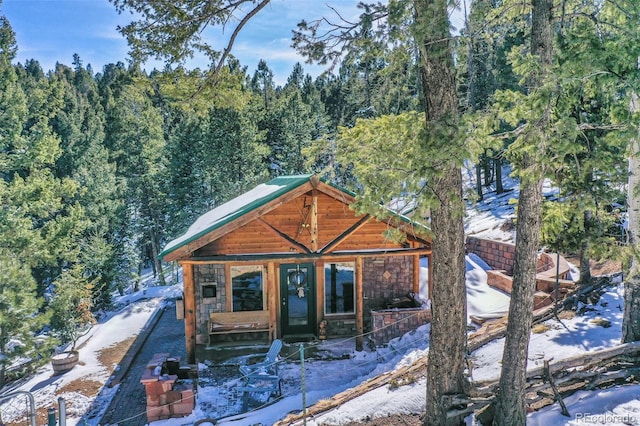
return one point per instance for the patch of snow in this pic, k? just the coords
(618, 406)
(483, 301)
(223, 212)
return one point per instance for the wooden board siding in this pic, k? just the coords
(369, 237)
(189, 312)
(296, 219)
(293, 221)
(186, 250)
(359, 304)
(250, 238)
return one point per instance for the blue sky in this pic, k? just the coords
(52, 31)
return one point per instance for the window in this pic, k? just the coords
(208, 290)
(339, 289)
(247, 288)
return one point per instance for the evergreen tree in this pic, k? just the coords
(188, 173)
(19, 303)
(591, 172)
(262, 83)
(173, 31)
(207, 139)
(136, 142)
(290, 125)
(71, 306)
(236, 154)
(482, 69)
(80, 126)
(416, 167)
(37, 230)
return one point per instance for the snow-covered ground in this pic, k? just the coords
(133, 311)
(324, 378)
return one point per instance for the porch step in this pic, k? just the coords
(298, 338)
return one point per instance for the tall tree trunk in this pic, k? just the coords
(510, 407)
(631, 318)
(155, 252)
(479, 180)
(510, 402)
(448, 341)
(585, 266)
(497, 162)
(3, 381)
(486, 162)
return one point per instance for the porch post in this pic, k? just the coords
(314, 221)
(416, 274)
(272, 299)
(320, 291)
(189, 312)
(359, 305)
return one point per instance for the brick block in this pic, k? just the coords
(182, 408)
(153, 401)
(544, 285)
(173, 396)
(541, 299)
(153, 389)
(167, 383)
(159, 412)
(187, 394)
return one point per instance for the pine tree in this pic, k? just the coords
(410, 163)
(136, 142)
(80, 126)
(36, 231)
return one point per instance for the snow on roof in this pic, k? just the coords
(235, 208)
(245, 203)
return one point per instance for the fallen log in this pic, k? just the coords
(584, 361)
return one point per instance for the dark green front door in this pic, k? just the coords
(297, 299)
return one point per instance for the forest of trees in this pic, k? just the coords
(101, 168)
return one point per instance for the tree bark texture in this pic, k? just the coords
(510, 408)
(585, 264)
(497, 163)
(448, 340)
(510, 403)
(631, 318)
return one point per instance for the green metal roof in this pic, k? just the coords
(235, 208)
(247, 202)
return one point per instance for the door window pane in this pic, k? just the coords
(247, 286)
(339, 289)
(299, 295)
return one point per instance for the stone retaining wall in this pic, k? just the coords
(500, 256)
(391, 323)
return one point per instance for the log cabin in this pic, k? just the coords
(290, 259)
